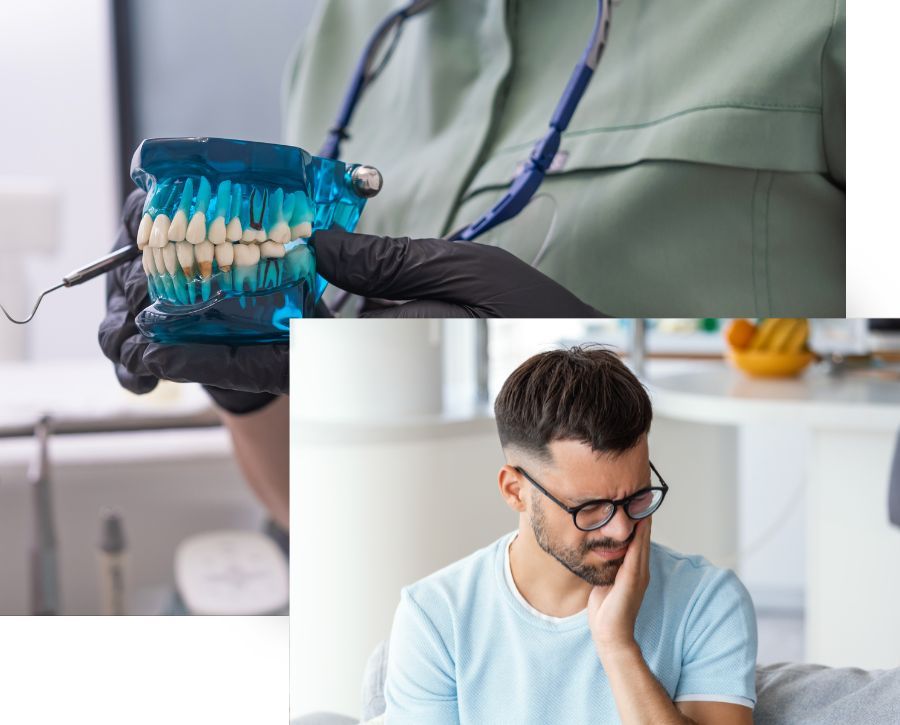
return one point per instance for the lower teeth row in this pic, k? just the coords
(175, 275)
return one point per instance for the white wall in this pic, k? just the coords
(59, 126)
(772, 514)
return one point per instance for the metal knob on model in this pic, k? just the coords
(366, 181)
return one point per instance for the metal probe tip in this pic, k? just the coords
(34, 309)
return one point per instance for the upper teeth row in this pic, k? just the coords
(278, 217)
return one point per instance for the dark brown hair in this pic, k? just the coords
(584, 394)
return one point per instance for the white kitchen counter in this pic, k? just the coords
(721, 394)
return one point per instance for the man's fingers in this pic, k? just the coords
(643, 539)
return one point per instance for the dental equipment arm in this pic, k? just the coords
(441, 278)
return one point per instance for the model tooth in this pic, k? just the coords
(159, 232)
(158, 261)
(143, 233)
(234, 231)
(204, 253)
(287, 209)
(301, 231)
(147, 262)
(178, 228)
(196, 231)
(246, 258)
(216, 233)
(160, 199)
(280, 233)
(302, 216)
(170, 259)
(224, 254)
(168, 286)
(253, 236)
(185, 253)
(276, 227)
(255, 230)
(246, 255)
(298, 262)
(271, 250)
(269, 273)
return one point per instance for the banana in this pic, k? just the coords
(783, 331)
(764, 331)
(796, 341)
(777, 335)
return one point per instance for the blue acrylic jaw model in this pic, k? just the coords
(224, 235)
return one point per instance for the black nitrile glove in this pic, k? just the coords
(239, 379)
(440, 278)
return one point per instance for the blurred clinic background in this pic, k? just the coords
(86, 82)
(785, 479)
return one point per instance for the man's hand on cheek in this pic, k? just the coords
(613, 610)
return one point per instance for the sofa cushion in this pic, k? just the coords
(787, 693)
(802, 694)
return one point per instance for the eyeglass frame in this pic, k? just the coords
(574, 510)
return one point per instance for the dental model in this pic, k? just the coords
(224, 235)
(237, 253)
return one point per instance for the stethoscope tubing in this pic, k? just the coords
(527, 182)
(529, 179)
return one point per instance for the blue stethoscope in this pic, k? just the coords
(528, 180)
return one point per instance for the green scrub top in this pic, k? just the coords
(702, 175)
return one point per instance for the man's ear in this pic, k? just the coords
(512, 488)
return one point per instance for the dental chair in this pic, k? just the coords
(787, 694)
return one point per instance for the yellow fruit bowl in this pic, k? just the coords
(763, 363)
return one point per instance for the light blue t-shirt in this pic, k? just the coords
(467, 648)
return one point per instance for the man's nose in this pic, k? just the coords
(619, 526)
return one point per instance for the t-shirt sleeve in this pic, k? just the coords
(719, 660)
(421, 680)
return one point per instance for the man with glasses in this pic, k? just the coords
(576, 617)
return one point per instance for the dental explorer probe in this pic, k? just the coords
(93, 269)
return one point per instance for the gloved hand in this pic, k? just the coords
(440, 278)
(239, 379)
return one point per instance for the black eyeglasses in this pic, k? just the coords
(592, 515)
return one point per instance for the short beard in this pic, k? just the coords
(598, 575)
